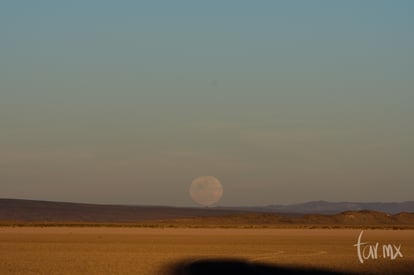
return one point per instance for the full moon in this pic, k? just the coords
(206, 190)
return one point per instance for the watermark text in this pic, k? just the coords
(367, 250)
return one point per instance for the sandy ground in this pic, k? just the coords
(100, 250)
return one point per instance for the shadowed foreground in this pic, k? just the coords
(240, 267)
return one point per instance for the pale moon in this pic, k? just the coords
(206, 190)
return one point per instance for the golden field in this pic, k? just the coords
(129, 250)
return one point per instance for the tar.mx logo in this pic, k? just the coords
(367, 250)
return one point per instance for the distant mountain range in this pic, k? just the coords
(47, 211)
(325, 207)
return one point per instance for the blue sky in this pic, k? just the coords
(283, 101)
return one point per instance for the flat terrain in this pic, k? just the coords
(103, 250)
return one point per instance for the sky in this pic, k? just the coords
(127, 102)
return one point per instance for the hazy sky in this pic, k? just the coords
(283, 101)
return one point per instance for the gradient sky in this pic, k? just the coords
(283, 101)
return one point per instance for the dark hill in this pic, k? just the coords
(345, 219)
(31, 210)
(325, 207)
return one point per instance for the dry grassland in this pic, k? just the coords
(100, 250)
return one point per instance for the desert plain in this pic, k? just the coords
(174, 251)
